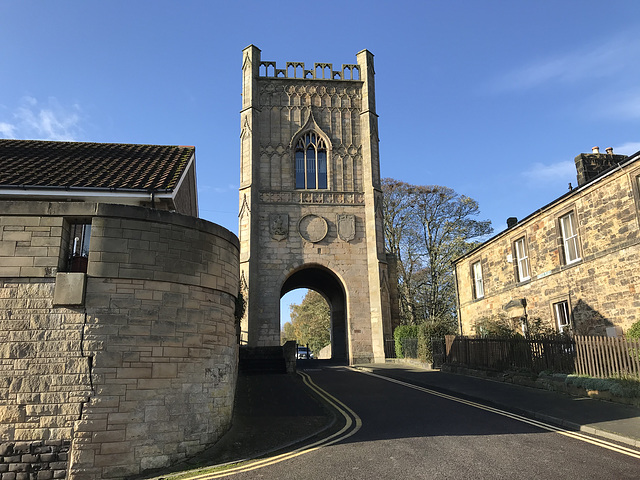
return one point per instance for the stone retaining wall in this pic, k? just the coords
(133, 364)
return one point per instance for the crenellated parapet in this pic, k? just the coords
(320, 71)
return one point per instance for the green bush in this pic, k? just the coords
(400, 334)
(538, 328)
(427, 331)
(495, 326)
(634, 331)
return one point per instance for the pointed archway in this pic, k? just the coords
(326, 283)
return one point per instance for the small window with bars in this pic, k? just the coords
(79, 237)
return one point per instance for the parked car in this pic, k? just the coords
(303, 353)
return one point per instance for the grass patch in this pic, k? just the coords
(624, 386)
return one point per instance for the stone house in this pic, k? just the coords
(118, 347)
(572, 264)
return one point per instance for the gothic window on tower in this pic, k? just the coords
(311, 162)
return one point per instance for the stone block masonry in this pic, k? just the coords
(139, 376)
(599, 289)
(313, 223)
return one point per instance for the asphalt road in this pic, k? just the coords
(397, 432)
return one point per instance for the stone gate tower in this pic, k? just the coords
(310, 201)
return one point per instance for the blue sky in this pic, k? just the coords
(491, 98)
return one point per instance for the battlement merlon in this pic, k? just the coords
(321, 71)
(297, 70)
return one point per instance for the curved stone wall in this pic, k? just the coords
(141, 373)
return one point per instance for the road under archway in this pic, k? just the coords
(325, 282)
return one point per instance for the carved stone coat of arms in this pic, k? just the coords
(279, 226)
(346, 227)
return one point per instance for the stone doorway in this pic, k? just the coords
(326, 283)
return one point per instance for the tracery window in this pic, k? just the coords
(311, 162)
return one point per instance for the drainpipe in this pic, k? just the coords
(455, 283)
(526, 318)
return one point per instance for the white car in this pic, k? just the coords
(303, 353)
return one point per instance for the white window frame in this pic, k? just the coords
(562, 315)
(522, 259)
(478, 284)
(569, 232)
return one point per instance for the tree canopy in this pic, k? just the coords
(426, 227)
(310, 322)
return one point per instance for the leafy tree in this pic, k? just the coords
(310, 322)
(634, 331)
(426, 227)
(287, 333)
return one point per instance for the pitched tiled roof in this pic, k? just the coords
(36, 163)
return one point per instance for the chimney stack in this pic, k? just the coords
(590, 165)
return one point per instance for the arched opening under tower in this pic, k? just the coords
(325, 282)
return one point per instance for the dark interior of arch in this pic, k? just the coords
(326, 283)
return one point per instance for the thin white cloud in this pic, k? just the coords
(217, 189)
(51, 121)
(565, 170)
(560, 171)
(7, 130)
(612, 57)
(627, 148)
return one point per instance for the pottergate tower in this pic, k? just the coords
(311, 202)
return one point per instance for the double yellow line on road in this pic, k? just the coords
(352, 425)
(545, 426)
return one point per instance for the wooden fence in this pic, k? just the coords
(607, 357)
(585, 355)
(502, 354)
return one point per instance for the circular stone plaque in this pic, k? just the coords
(313, 228)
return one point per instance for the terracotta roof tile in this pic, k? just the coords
(37, 163)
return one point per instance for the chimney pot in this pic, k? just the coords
(610, 150)
(595, 150)
(511, 222)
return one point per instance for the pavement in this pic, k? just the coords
(276, 412)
